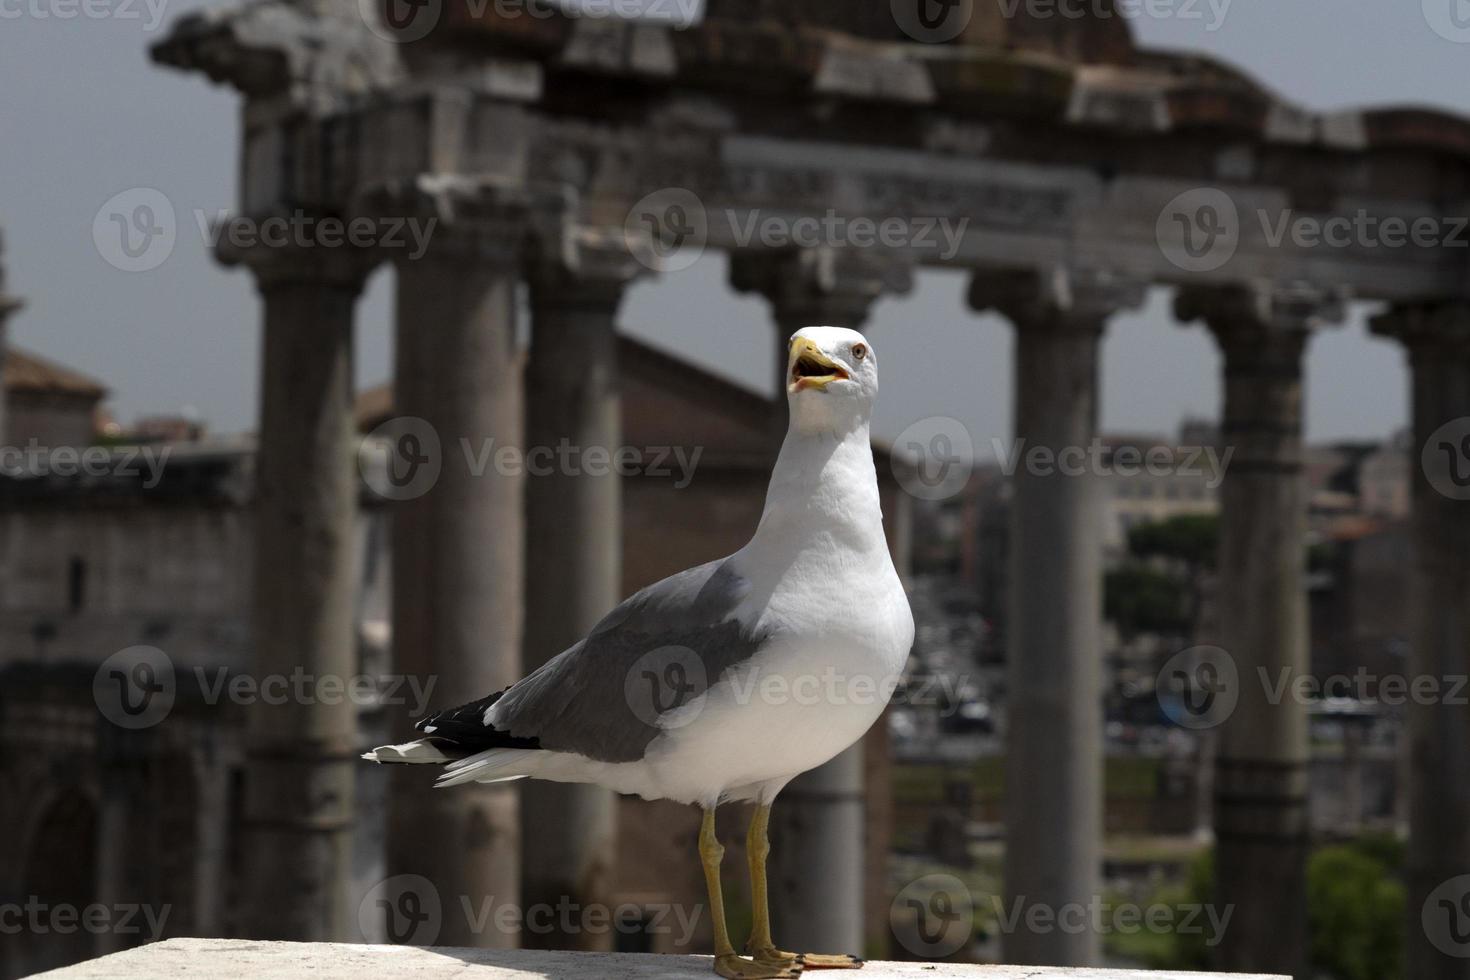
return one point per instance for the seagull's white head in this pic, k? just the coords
(831, 379)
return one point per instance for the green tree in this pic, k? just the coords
(1190, 540)
(1356, 908)
(1159, 587)
(1141, 599)
(1355, 904)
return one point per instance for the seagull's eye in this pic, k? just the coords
(859, 351)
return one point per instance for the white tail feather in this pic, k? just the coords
(491, 766)
(421, 751)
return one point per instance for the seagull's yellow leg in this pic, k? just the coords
(757, 849)
(727, 963)
(761, 945)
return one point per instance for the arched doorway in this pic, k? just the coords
(59, 882)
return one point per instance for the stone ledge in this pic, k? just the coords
(239, 959)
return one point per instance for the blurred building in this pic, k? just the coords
(1148, 480)
(1383, 479)
(47, 404)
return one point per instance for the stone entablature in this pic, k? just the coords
(1109, 178)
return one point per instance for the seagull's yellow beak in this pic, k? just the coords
(808, 367)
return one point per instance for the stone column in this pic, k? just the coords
(1261, 777)
(574, 567)
(301, 754)
(1054, 737)
(816, 878)
(457, 540)
(8, 305)
(1437, 338)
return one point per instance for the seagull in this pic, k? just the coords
(724, 682)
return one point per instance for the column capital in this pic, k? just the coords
(1252, 313)
(280, 254)
(1427, 328)
(465, 220)
(575, 267)
(822, 285)
(310, 55)
(1058, 298)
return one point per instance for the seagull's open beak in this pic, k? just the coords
(808, 367)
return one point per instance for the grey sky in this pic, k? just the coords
(86, 116)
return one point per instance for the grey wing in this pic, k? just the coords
(658, 651)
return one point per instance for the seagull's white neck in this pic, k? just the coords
(823, 491)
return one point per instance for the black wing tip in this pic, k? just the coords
(461, 714)
(463, 730)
